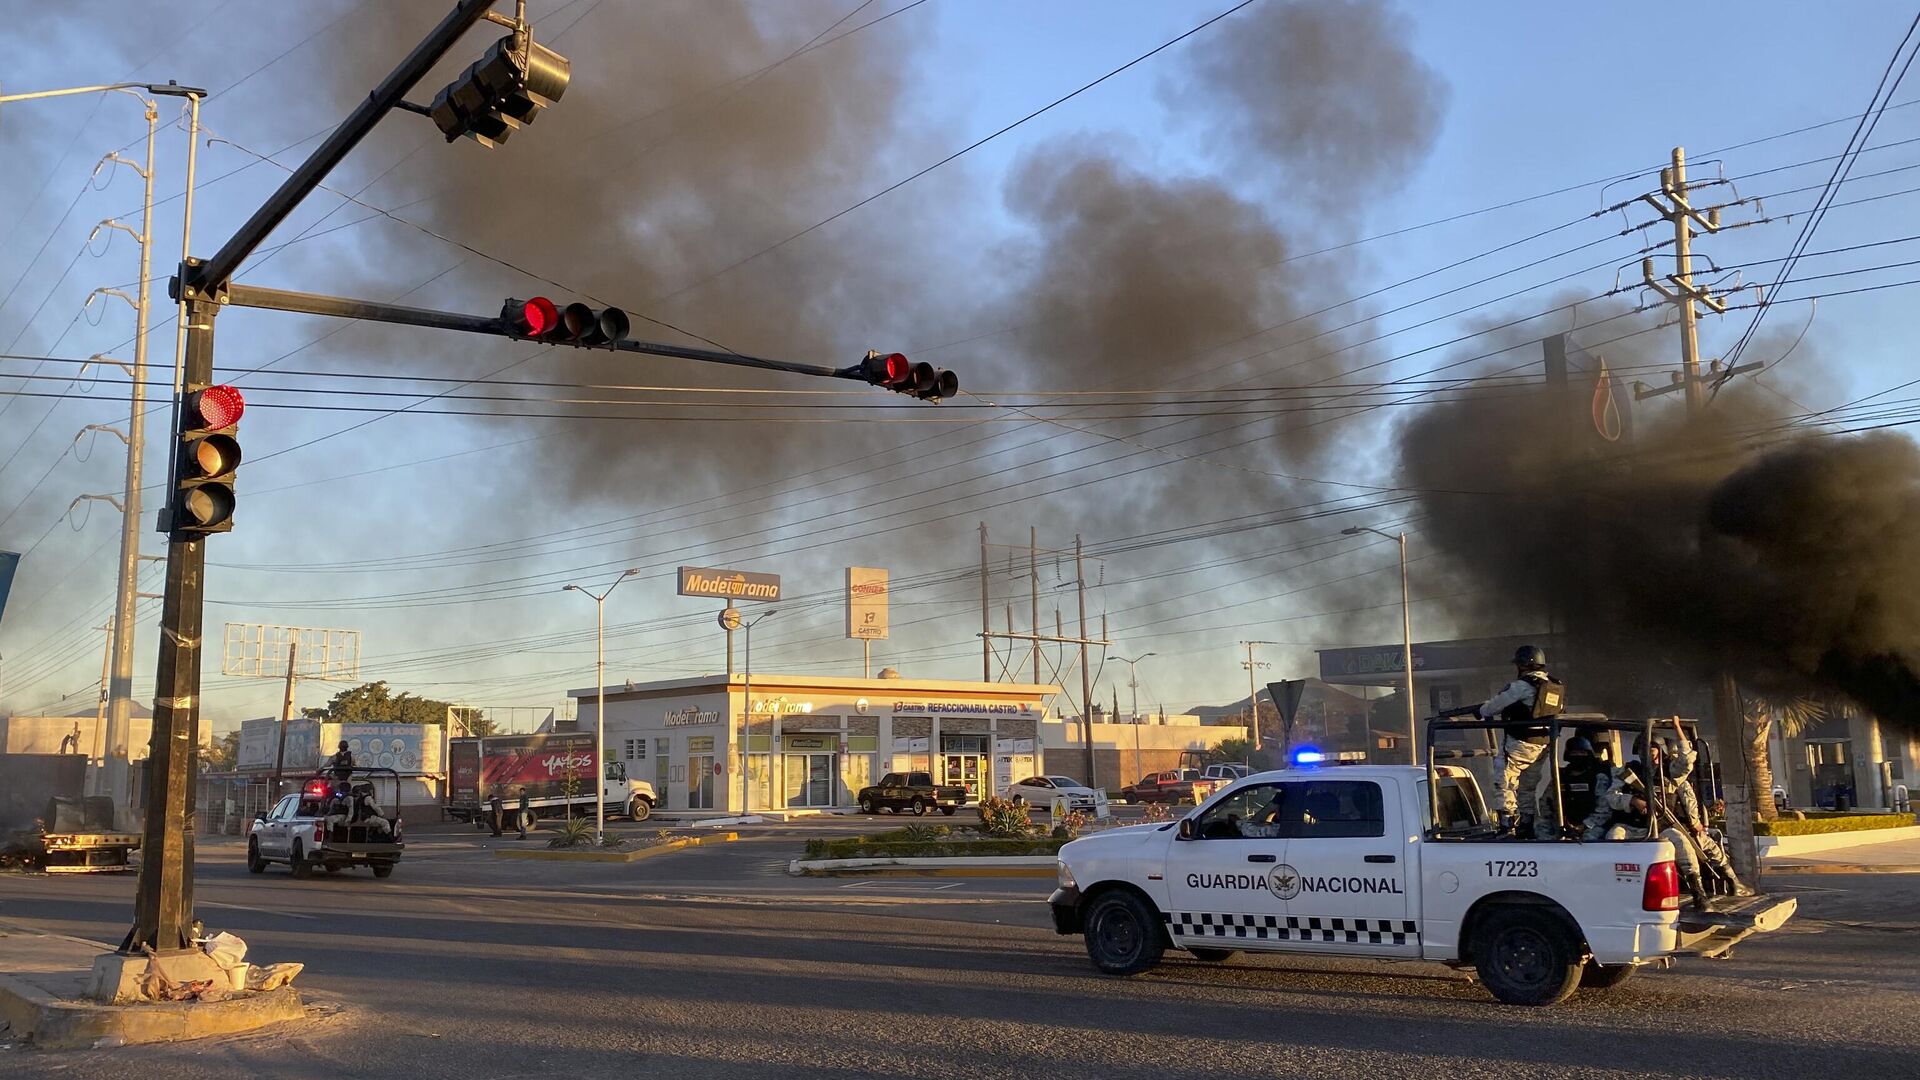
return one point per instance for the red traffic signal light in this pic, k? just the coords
(205, 461)
(540, 319)
(891, 370)
(530, 318)
(902, 376)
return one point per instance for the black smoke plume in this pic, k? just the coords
(1730, 543)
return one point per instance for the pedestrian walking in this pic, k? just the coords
(497, 810)
(526, 814)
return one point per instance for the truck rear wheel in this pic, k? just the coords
(382, 869)
(639, 809)
(297, 862)
(919, 807)
(527, 820)
(1526, 956)
(1122, 934)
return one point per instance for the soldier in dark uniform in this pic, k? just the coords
(341, 763)
(1584, 778)
(496, 810)
(525, 812)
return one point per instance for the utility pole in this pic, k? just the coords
(1729, 721)
(286, 714)
(1033, 595)
(1133, 684)
(1253, 689)
(600, 695)
(1086, 676)
(986, 613)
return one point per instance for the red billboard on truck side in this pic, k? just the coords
(543, 764)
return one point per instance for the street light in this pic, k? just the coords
(1133, 684)
(600, 689)
(1406, 633)
(746, 718)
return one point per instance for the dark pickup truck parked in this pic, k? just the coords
(1173, 786)
(913, 791)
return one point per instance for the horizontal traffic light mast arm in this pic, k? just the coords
(255, 296)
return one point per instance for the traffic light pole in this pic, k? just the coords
(163, 897)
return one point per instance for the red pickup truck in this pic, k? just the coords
(1172, 786)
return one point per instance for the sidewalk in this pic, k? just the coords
(43, 982)
(1892, 857)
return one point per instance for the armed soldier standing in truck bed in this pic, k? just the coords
(1527, 702)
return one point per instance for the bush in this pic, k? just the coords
(1070, 825)
(574, 831)
(1836, 823)
(1156, 812)
(893, 845)
(1004, 818)
(925, 833)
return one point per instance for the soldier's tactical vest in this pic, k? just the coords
(1581, 787)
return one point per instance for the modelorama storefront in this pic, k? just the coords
(815, 742)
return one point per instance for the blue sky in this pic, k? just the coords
(1537, 98)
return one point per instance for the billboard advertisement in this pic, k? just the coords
(260, 741)
(866, 603)
(404, 748)
(728, 584)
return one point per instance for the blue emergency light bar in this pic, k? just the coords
(1309, 756)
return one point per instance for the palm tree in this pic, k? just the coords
(1761, 713)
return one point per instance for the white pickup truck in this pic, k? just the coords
(1348, 861)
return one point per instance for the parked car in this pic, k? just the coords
(913, 791)
(1172, 786)
(1226, 771)
(1042, 790)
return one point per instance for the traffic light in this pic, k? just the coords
(540, 319)
(205, 461)
(902, 376)
(500, 92)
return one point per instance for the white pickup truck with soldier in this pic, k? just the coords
(1404, 862)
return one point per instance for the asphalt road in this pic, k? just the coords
(712, 962)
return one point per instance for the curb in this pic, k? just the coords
(1001, 866)
(67, 1025)
(565, 855)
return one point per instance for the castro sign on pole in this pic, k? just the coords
(866, 603)
(728, 584)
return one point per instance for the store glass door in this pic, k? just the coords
(700, 781)
(965, 770)
(809, 780)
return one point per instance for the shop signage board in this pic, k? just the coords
(728, 584)
(1027, 709)
(866, 603)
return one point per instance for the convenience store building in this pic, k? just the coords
(811, 743)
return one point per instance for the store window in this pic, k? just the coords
(857, 766)
(636, 750)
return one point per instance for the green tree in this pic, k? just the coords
(1229, 750)
(375, 703)
(223, 755)
(1792, 714)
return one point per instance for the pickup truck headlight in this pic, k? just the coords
(1066, 877)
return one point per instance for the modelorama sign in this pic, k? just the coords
(728, 584)
(691, 716)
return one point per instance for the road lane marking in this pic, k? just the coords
(261, 910)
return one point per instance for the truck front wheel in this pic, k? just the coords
(639, 809)
(1526, 956)
(255, 864)
(1122, 934)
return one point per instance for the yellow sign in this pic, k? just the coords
(866, 603)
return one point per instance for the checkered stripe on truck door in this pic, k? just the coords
(1206, 924)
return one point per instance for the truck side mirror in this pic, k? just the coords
(1186, 828)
